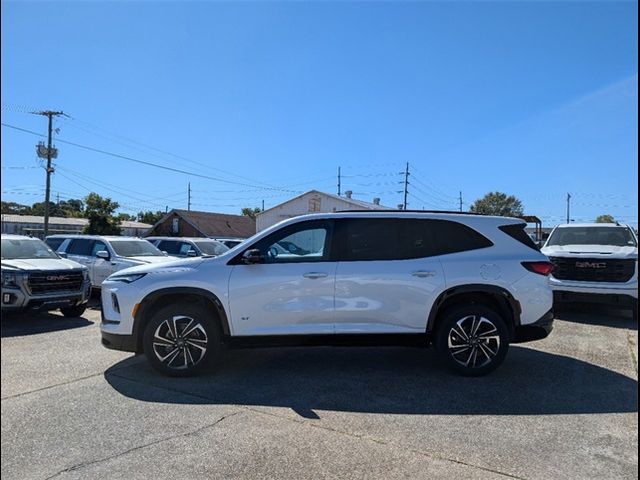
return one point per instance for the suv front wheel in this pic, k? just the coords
(473, 340)
(181, 339)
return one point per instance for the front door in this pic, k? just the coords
(291, 291)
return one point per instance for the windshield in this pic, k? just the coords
(212, 248)
(135, 248)
(23, 249)
(616, 236)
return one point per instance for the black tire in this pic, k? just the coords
(191, 339)
(75, 311)
(480, 352)
(634, 311)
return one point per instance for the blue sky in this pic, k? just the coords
(535, 99)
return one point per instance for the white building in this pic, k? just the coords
(313, 202)
(34, 225)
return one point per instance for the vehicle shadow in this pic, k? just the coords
(386, 380)
(597, 315)
(19, 325)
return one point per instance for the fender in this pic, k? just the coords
(153, 296)
(499, 292)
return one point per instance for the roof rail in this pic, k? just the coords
(455, 212)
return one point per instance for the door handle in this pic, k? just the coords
(314, 275)
(424, 273)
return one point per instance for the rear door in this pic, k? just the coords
(386, 277)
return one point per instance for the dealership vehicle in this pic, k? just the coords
(35, 278)
(594, 263)
(189, 246)
(469, 284)
(230, 242)
(104, 255)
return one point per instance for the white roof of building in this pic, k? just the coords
(81, 222)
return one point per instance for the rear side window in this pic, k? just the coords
(80, 246)
(517, 232)
(54, 243)
(402, 239)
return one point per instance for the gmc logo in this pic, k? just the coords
(591, 265)
(55, 278)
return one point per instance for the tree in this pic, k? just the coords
(150, 217)
(72, 207)
(15, 208)
(54, 210)
(99, 211)
(125, 217)
(605, 219)
(251, 212)
(498, 203)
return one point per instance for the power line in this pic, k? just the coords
(151, 164)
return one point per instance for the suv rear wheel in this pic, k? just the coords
(181, 339)
(473, 339)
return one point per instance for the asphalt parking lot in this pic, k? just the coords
(564, 407)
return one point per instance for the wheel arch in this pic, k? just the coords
(493, 296)
(160, 298)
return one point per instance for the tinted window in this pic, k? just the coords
(54, 243)
(211, 248)
(169, 246)
(402, 239)
(516, 231)
(80, 246)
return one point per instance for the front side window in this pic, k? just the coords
(80, 246)
(98, 247)
(212, 248)
(134, 248)
(14, 249)
(297, 244)
(54, 243)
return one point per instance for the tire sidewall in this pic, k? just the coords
(453, 315)
(199, 314)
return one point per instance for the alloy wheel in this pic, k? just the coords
(473, 341)
(180, 342)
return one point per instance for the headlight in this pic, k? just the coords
(126, 278)
(9, 280)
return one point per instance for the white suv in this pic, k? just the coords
(104, 255)
(470, 284)
(594, 263)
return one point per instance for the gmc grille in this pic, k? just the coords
(593, 269)
(55, 282)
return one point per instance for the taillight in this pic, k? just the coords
(541, 268)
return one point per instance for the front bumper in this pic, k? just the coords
(18, 300)
(535, 331)
(623, 299)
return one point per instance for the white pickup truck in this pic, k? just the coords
(35, 278)
(594, 263)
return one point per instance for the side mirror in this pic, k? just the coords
(252, 256)
(103, 254)
(192, 253)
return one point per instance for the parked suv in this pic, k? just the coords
(594, 263)
(34, 277)
(188, 246)
(469, 284)
(104, 255)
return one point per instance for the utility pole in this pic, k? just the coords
(189, 198)
(339, 181)
(568, 207)
(263, 205)
(460, 199)
(406, 186)
(49, 154)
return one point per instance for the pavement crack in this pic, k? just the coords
(82, 465)
(308, 423)
(632, 344)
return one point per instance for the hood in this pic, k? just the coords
(19, 265)
(155, 259)
(606, 251)
(178, 264)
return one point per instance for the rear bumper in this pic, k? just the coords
(622, 300)
(535, 331)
